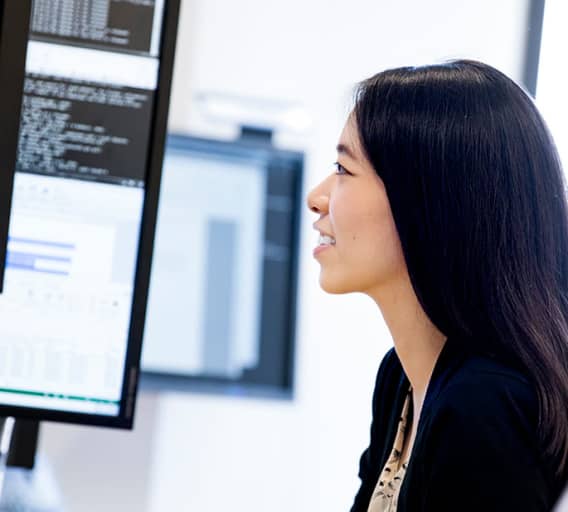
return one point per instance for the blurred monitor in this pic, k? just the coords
(552, 75)
(222, 297)
(91, 141)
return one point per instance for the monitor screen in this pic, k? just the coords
(83, 212)
(221, 302)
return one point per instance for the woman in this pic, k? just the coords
(447, 207)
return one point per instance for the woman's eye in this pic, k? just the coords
(339, 169)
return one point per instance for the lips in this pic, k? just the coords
(325, 241)
(321, 231)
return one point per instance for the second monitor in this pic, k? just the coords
(221, 304)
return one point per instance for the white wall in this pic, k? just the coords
(211, 453)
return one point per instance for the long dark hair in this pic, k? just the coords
(478, 197)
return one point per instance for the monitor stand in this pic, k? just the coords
(26, 484)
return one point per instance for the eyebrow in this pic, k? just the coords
(342, 149)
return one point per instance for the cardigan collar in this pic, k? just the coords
(450, 357)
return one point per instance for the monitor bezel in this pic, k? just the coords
(14, 18)
(250, 149)
(156, 145)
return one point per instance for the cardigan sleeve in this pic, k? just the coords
(481, 450)
(369, 463)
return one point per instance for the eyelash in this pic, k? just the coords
(339, 169)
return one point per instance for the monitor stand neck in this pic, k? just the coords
(6, 433)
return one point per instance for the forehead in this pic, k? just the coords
(349, 144)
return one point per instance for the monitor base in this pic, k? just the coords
(31, 490)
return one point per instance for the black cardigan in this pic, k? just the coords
(476, 447)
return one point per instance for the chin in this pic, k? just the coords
(354, 282)
(336, 286)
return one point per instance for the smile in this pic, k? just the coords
(326, 240)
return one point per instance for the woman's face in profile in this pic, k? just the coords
(359, 249)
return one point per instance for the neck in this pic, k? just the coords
(417, 341)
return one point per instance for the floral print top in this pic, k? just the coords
(385, 495)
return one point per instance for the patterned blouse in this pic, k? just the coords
(385, 495)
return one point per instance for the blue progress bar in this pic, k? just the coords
(26, 261)
(45, 243)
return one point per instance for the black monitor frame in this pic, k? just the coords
(125, 417)
(535, 21)
(14, 25)
(253, 384)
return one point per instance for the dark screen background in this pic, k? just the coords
(118, 25)
(84, 130)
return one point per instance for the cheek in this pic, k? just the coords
(378, 240)
(365, 219)
(367, 237)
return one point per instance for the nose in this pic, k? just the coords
(318, 199)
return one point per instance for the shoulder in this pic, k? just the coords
(479, 439)
(488, 407)
(485, 387)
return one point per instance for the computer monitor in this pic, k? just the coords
(90, 151)
(222, 297)
(14, 23)
(550, 94)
